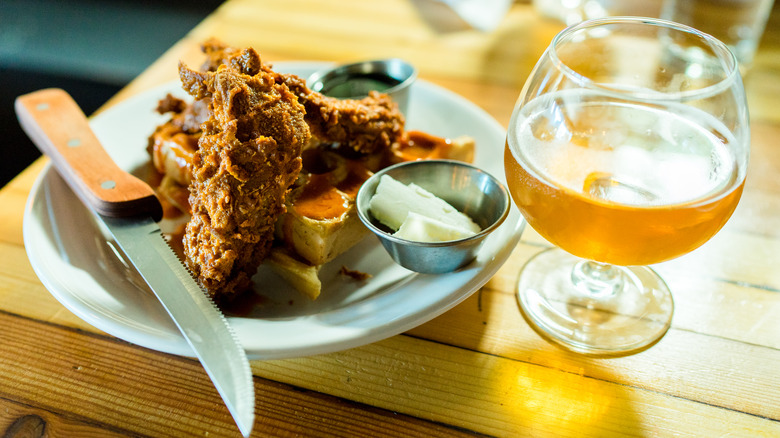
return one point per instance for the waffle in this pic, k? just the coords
(321, 221)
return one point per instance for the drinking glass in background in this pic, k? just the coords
(738, 23)
(628, 146)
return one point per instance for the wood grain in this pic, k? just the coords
(502, 396)
(24, 421)
(86, 383)
(476, 369)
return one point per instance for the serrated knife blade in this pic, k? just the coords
(130, 210)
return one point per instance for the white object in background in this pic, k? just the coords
(573, 11)
(480, 14)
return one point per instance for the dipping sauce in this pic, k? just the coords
(355, 85)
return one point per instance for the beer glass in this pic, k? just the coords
(628, 146)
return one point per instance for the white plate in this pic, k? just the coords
(80, 266)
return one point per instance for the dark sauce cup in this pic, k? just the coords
(354, 81)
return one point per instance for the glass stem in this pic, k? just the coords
(597, 280)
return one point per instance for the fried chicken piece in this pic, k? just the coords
(171, 104)
(217, 53)
(249, 153)
(186, 117)
(366, 125)
(173, 143)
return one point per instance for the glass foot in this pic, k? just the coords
(593, 308)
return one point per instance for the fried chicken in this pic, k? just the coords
(237, 149)
(366, 125)
(249, 153)
(173, 143)
(217, 53)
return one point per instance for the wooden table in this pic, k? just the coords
(477, 369)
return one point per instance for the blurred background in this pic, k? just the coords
(91, 48)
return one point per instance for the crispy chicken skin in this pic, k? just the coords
(249, 153)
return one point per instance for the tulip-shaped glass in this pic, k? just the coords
(628, 146)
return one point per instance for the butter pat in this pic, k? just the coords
(431, 218)
(424, 229)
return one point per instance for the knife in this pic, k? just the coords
(130, 210)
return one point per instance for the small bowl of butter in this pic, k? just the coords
(432, 216)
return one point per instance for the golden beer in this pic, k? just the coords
(659, 188)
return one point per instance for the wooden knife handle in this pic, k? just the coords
(58, 127)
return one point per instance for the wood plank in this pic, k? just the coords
(730, 278)
(762, 169)
(699, 299)
(13, 198)
(25, 179)
(452, 324)
(684, 364)
(18, 420)
(761, 82)
(113, 385)
(22, 293)
(11, 215)
(503, 57)
(507, 335)
(506, 397)
(401, 30)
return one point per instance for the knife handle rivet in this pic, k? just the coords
(74, 142)
(42, 106)
(108, 185)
